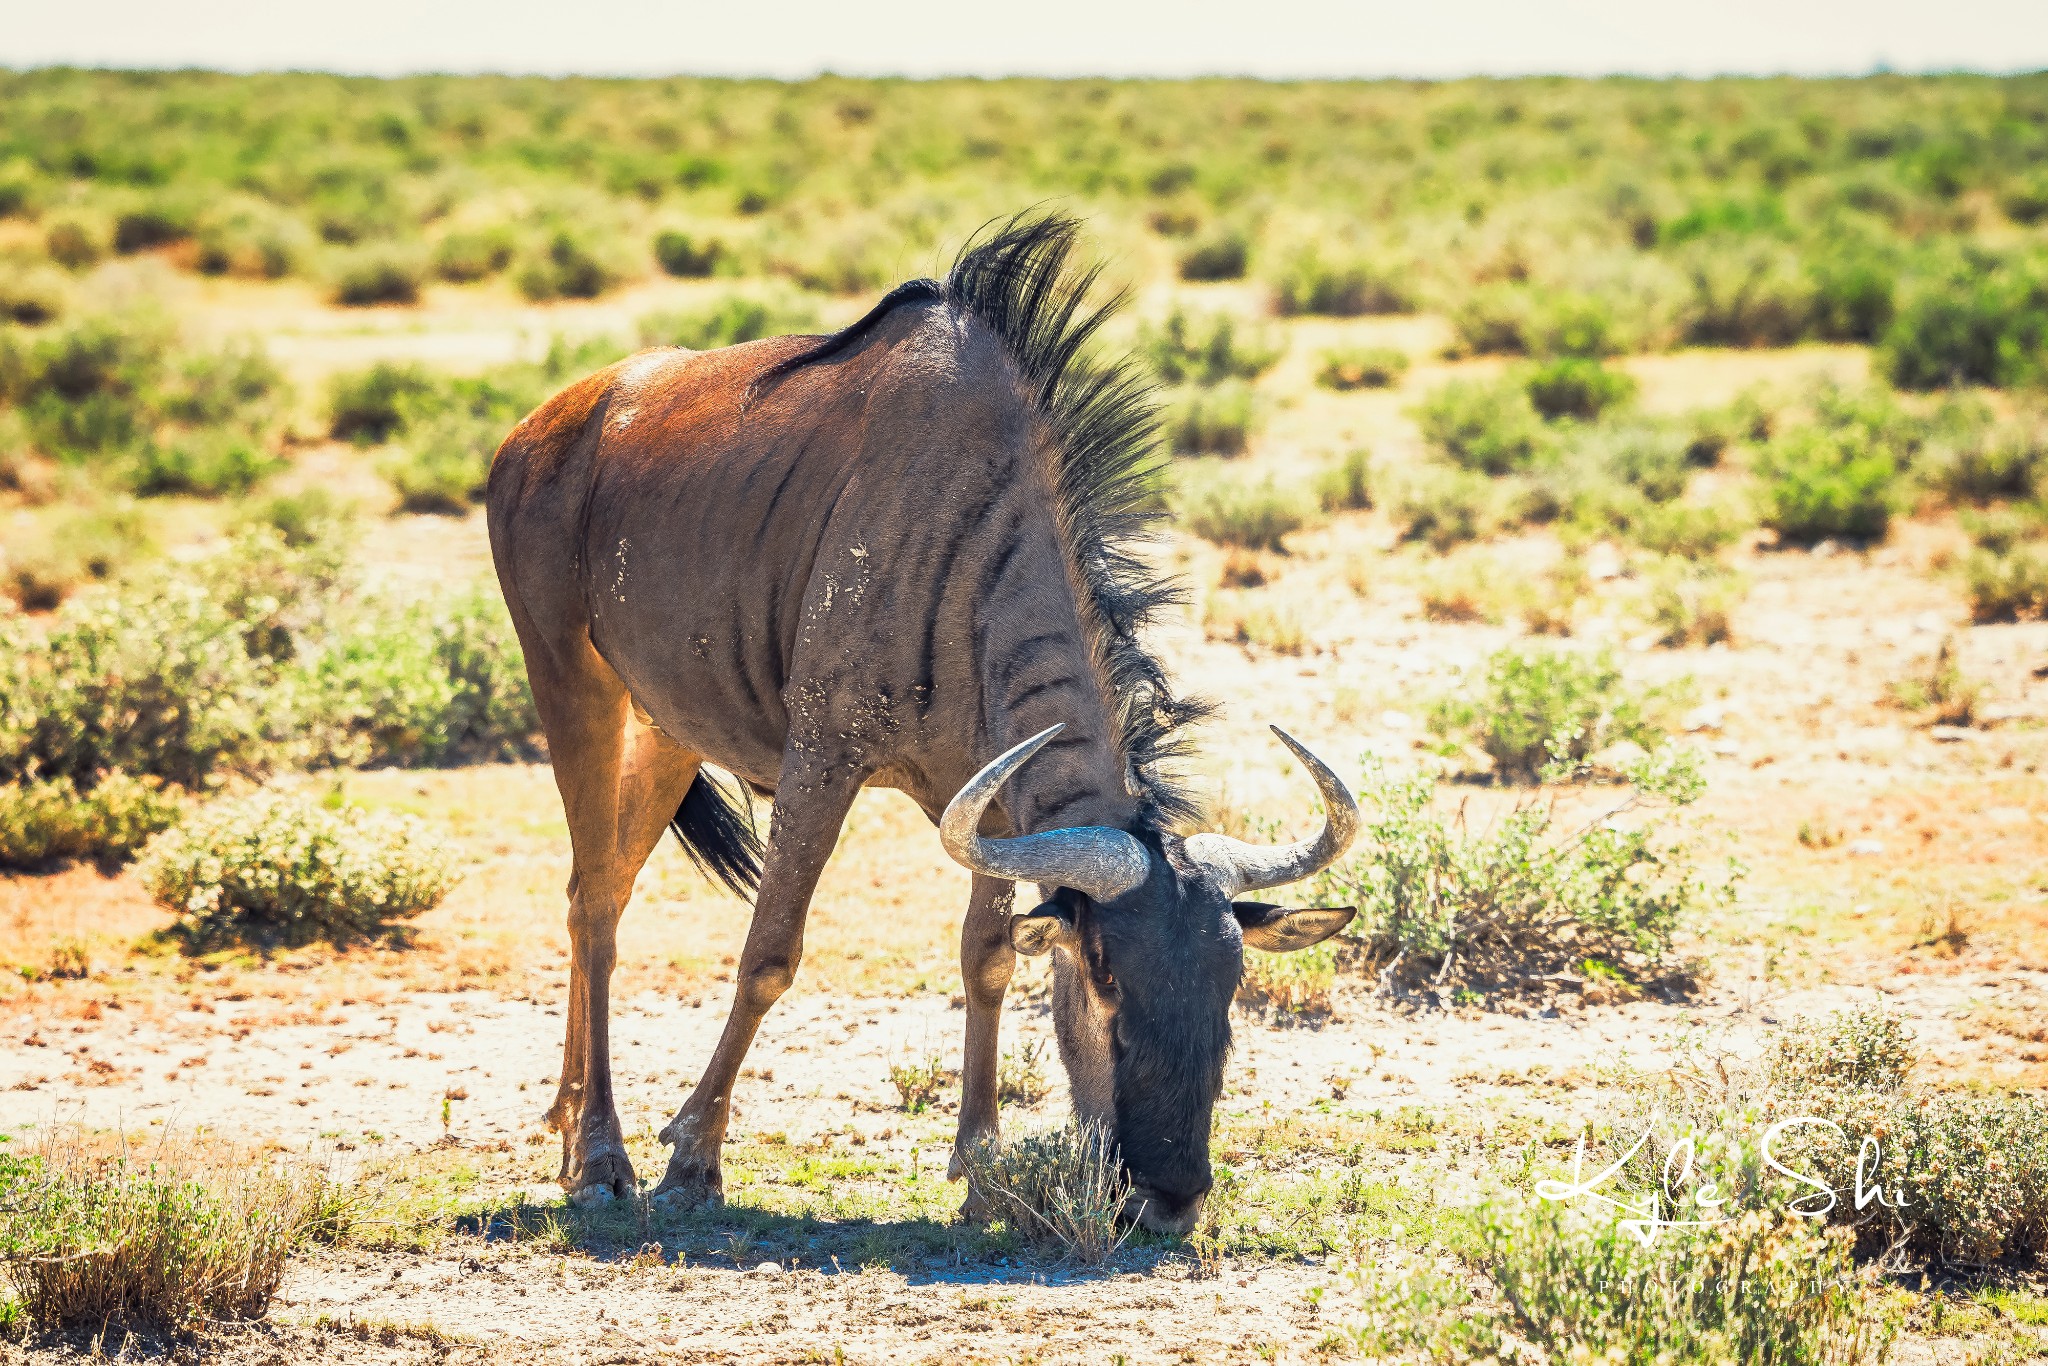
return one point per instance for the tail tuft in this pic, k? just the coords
(716, 828)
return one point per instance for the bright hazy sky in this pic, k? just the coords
(1041, 37)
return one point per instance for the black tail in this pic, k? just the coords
(717, 831)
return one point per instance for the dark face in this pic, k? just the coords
(1142, 987)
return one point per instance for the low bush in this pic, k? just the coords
(210, 463)
(165, 1238)
(687, 257)
(1223, 255)
(1524, 320)
(92, 544)
(441, 682)
(1064, 1188)
(1289, 983)
(1686, 531)
(30, 295)
(1987, 324)
(567, 263)
(1757, 1289)
(75, 241)
(1964, 1175)
(1693, 604)
(1503, 908)
(368, 406)
(1827, 484)
(1252, 516)
(156, 223)
(1444, 506)
(2010, 585)
(1574, 387)
(1484, 425)
(467, 255)
(727, 323)
(1347, 485)
(1540, 712)
(919, 1081)
(2006, 460)
(251, 239)
(48, 823)
(1309, 283)
(276, 868)
(1714, 430)
(1361, 367)
(381, 273)
(1755, 295)
(1213, 421)
(2005, 526)
(1191, 349)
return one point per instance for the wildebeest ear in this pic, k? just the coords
(1036, 931)
(1276, 929)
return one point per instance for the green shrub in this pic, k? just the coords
(1361, 367)
(30, 295)
(436, 683)
(729, 322)
(368, 406)
(238, 386)
(2006, 526)
(1753, 296)
(46, 823)
(1855, 293)
(1347, 485)
(1694, 604)
(1714, 430)
(1524, 320)
(1820, 484)
(1575, 387)
(165, 1238)
(1063, 1188)
(1862, 1049)
(157, 223)
(564, 263)
(1189, 349)
(438, 471)
(1686, 531)
(207, 464)
(1309, 283)
(1987, 326)
(92, 543)
(1488, 426)
(253, 240)
(75, 241)
(1653, 458)
(2010, 585)
(1758, 1289)
(383, 273)
(1251, 516)
(1508, 905)
(1539, 709)
(1216, 421)
(1223, 255)
(467, 255)
(687, 257)
(2006, 461)
(275, 868)
(1444, 506)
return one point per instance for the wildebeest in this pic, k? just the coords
(902, 555)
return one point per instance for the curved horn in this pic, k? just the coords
(1102, 862)
(1242, 867)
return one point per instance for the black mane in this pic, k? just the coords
(1019, 280)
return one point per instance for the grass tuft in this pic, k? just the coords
(1062, 1188)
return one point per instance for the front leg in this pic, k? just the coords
(986, 961)
(801, 834)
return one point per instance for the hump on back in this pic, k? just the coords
(909, 554)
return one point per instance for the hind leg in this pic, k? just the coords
(613, 776)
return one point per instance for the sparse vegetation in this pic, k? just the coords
(1544, 710)
(1062, 1187)
(1252, 516)
(1210, 421)
(277, 868)
(1361, 367)
(1190, 349)
(1506, 908)
(162, 1236)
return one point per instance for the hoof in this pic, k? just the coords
(687, 1184)
(598, 1179)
